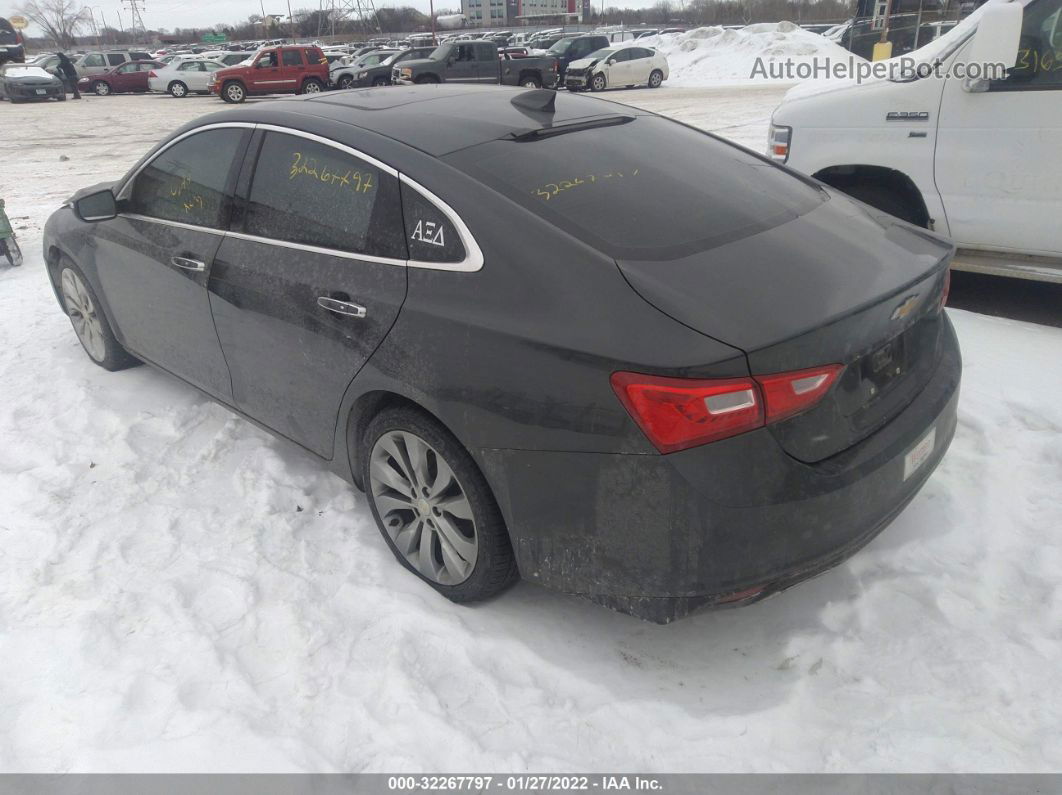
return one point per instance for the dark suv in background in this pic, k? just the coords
(11, 45)
(574, 48)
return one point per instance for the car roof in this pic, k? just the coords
(440, 119)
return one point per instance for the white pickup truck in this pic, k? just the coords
(979, 160)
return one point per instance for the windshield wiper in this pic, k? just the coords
(570, 127)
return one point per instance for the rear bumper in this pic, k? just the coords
(723, 524)
(56, 91)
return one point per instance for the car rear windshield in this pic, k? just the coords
(647, 189)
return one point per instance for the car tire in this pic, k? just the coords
(381, 81)
(101, 88)
(178, 89)
(597, 82)
(479, 562)
(427, 79)
(311, 86)
(530, 81)
(345, 82)
(90, 324)
(233, 92)
(656, 77)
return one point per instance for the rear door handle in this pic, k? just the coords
(340, 307)
(188, 264)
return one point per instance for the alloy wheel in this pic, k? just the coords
(312, 87)
(82, 312)
(234, 92)
(423, 507)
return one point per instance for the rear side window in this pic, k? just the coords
(93, 60)
(431, 236)
(292, 57)
(186, 183)
(307, 192)
(610, 187)
(114, 59)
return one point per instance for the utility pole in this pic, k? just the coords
(291, 19)
(265, 25)
(136, 19)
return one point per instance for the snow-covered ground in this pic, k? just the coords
(181, 591)
(714, 56)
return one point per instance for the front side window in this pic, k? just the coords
(292, 58)
(1039, 64)
(187, 182)
(310, 193)
(267, 60)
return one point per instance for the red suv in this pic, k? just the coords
(291, 69)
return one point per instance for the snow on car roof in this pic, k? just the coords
(22, 70)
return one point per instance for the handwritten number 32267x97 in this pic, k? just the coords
(303, 166)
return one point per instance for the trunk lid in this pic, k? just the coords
(840, 284)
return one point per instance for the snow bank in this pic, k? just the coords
(716, 55)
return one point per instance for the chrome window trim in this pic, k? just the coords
(166, 222)
(472, 262)
(332, 252)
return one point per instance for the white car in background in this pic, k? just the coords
(179, 78)
(617, 67)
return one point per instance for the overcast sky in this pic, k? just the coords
(172, 14)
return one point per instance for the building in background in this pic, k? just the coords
(507, 13)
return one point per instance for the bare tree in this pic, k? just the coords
(59, 19)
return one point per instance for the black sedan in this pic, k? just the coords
(549, 336)
(27, 83)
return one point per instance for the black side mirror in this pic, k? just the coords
(99, 206)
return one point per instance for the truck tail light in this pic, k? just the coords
(778, 141)
(679, 413)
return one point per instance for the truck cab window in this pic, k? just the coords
(1039, 64)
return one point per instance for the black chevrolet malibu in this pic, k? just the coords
(548, 335)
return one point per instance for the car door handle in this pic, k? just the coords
(188, 264)
(340, 307)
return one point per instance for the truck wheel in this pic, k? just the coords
(101, 88)
(656, 78)
(381, 81)
(233, 92)
(883, 198)
(178, 89)
(345, 81)
(311, 86)
(530, 81)
(598, 82)
(427, 79)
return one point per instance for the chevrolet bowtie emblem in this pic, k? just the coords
(905, 308)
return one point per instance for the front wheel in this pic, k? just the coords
(530, 81)
(233, 92)
(656, 78)
(381, 81)
(312, 87)
(427, 79)
(598, 82)
(346, 81)
(89, 322)
(101, 88)
(178, 89)
(434, 508)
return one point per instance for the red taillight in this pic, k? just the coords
(947, 289)
(679, 413)
(152, 74)
(787, 394)
(18, 38)
(676, 413)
